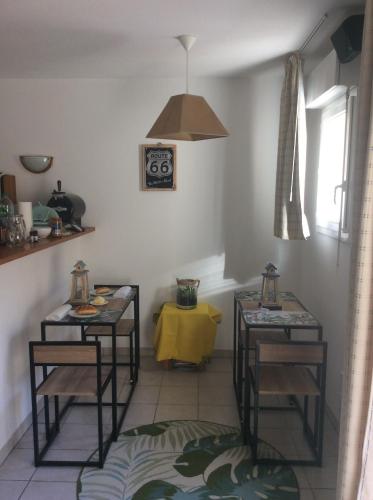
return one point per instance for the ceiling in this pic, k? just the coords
(122, 38)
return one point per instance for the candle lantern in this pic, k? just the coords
(79, 284)
(269, 294)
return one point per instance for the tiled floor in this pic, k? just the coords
(159, 396)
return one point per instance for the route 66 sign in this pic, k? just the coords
(159, 167)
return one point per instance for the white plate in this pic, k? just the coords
(98, 305)
(93, 292)
(74, 314)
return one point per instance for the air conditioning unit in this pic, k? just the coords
(322, 85)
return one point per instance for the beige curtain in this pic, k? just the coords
(366, 476)
(290, 221)
(353, 476)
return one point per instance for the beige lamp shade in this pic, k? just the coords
(187, 117)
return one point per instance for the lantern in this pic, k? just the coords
(269, 295)
(79, 285)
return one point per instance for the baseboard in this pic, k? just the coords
(17, 434)
(149, 351)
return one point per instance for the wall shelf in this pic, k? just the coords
(8, 254)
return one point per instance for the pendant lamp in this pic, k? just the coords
(187, 117)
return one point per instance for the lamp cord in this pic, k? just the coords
(187, 71)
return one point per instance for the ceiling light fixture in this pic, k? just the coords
(187, 117)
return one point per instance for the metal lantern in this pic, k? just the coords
(269, 295)
(79, 284)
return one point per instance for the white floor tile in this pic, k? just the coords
(51, 474)
(306, 495)
(148, 363)
(139, 414)
(179, 378)
(11, 490)
(323, 477)
(215, 379)
(145, 394)
(279, 440)
(331, 441)
(170, 395)
(292, 420)
(301, 445)
(270, 420)
(78, 437)
(48, 491)
(150, 377)
(324, 494)
(27, 440)
(87, 415)
(176, 412)
(19, 465)
(65, 473)
(226, 415)
(301, 477)
(216, 396)
(163, 395)
(123, 373)
(220, 365)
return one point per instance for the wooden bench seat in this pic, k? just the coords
(295, 380)
(73, 381)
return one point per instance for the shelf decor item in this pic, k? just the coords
(159, 167)
(79, 284)
(269, 293)
(24, 208)
(16, 235)
(186, 296)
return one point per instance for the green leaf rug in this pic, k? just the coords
(186, 459)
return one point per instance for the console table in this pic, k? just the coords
(109, 324)
(252, 323)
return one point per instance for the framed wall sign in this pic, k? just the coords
(158, 167)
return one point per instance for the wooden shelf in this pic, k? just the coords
(8, 254)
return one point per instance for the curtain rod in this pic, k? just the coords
(313, 32)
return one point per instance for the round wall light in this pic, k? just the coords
(37, 164)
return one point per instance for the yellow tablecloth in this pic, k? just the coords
(186, 335)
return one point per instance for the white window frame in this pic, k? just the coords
(342, 230)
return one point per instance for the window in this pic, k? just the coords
(332, 214)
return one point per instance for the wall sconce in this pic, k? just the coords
(37, 164)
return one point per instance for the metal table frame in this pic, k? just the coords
(134, 365)
(241, 349)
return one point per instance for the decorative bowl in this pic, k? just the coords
(43, 231)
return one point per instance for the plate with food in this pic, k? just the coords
(81, 312)
(103, 291)
(99, 300)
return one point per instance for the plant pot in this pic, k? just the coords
(186, 296)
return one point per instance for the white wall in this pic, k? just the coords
(324, 285)
(216, 226)
(251, 179)
(30, 288)
(93, 129)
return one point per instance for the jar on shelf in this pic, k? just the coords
(6, 206)
(3, 230)
(16, 234)
(56, 223)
